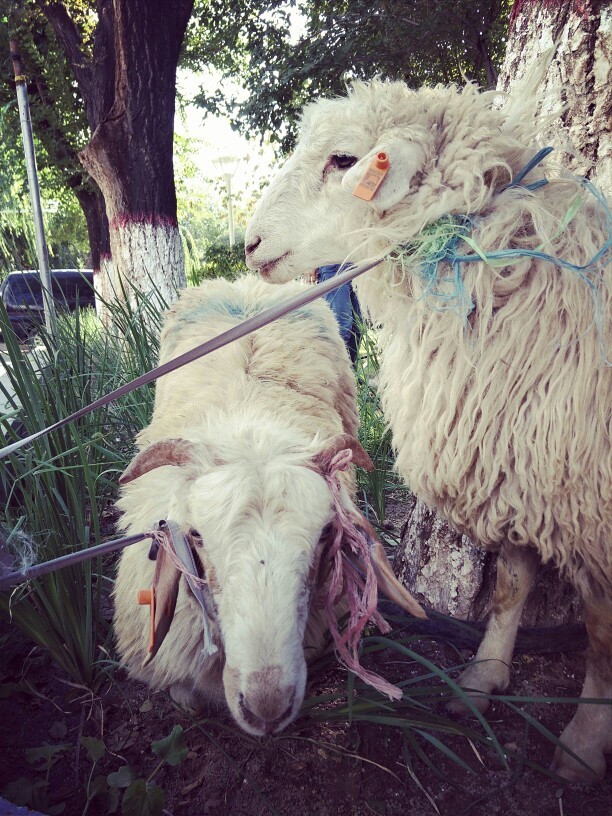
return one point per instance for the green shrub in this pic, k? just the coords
(222, 261)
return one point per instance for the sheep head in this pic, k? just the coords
(261, 523)
(443, 158)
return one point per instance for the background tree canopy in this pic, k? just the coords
(280, 54)
(60, 130)
(419, 41)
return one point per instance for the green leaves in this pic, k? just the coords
(122, 778)
(171, 749)
(95, 748)
(47, 755)
(284, 60)
(143, 799)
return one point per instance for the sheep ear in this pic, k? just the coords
(385, 577)
(166, 588)
(342, 442)
(178, 452)
(405, 159)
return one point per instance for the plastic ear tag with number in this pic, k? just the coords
(146, 597)
(373, 177)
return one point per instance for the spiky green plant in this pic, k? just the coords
(374, 433)
(56, 490)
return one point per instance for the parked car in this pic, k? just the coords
(21, 293)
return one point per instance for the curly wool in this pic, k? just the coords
(504, 426)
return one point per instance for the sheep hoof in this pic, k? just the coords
(459, 706)
(573, 771)
(480, 678)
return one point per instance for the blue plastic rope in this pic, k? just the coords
(539, 157)
(428, 271)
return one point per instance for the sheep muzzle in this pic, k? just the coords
(263, 702)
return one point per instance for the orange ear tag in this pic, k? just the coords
(147, 597)
(373, 177)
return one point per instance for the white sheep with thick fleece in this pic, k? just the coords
(500, 414)
(236, 454)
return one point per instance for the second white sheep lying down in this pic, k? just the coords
(238, 452)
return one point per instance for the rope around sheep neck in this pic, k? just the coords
(438, 243)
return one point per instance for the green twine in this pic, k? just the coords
(423, 255)
(438, 242)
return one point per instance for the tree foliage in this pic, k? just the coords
(418, 41)
(67, 242)
(60, 130)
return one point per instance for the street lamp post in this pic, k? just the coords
(226, 166)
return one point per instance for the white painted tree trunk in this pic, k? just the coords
(147, 257)
(440, 566)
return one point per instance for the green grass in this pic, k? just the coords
(374, 433)
(57, 490)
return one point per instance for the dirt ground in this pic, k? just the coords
(61, 746)
(316, 769)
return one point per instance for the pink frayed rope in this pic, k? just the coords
(345, 579)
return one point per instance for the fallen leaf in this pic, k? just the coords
(196, 783)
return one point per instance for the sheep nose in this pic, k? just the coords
(250, 248)
(266, 709)
(262, 725)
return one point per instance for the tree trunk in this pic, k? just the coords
(444, 569)
(128, 87)
(574, 37)
(92, 204)
(449, 573)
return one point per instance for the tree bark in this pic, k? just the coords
(444, 569)
(449, 573)
(574, 36)
(92, 204)
(128, 86)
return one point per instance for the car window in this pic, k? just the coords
(23, 291)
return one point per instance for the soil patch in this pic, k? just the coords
(323, 768)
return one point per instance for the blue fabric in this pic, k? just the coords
(345, 306)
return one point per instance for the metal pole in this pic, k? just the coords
(230, 212)
(36, 570)
(30, 157)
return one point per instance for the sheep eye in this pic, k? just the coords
(342, 162)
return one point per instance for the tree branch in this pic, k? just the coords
(70, 37)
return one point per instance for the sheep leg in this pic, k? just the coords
(490, 669)
(589, 734)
